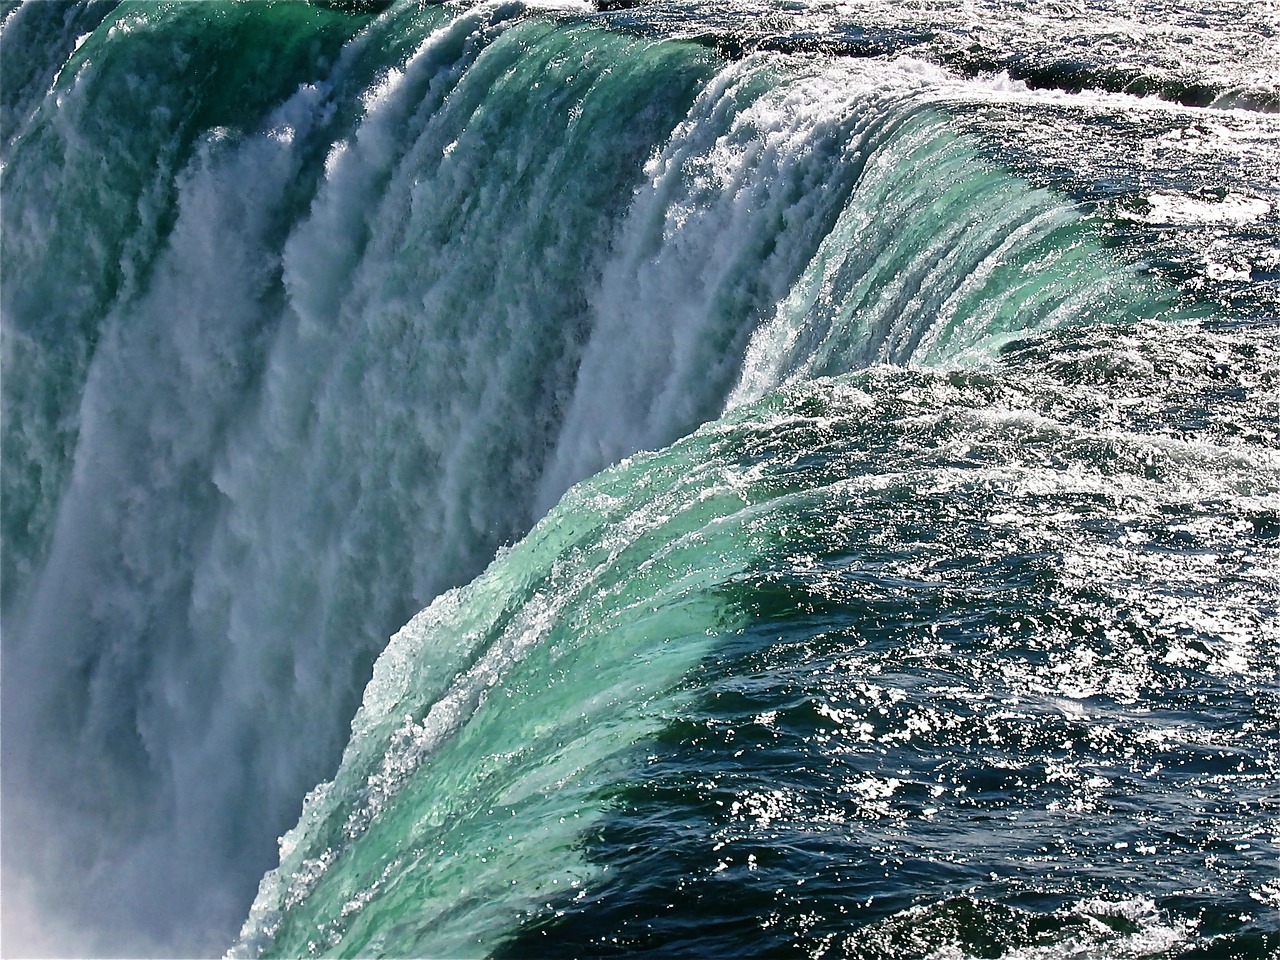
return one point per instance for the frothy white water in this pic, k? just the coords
(153, 721)
(734, 207)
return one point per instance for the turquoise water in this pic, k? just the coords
(817, 466)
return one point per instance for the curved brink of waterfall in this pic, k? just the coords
(773, 462)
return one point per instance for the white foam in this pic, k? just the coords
(1187, 209)
(671, 319)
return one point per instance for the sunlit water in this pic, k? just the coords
(834, 449)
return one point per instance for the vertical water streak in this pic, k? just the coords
(736, 203)
(113, 660)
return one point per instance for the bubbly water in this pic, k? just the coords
(820, 464)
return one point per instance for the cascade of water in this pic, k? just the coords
(289, 351)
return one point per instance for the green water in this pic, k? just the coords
(834, 465)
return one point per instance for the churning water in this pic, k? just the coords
(819, 461)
